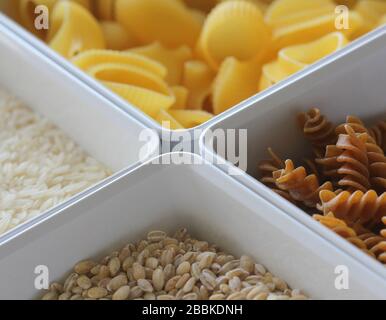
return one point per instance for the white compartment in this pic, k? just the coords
(353, 84)
(211, 204)
(101, 129)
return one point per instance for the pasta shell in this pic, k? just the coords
(202, 5)
(287, 12)
(74, 30)
(117, 38)
(148, 101)
(371, 11)
(234, 82)
(261, 4)
(129, 74)
(265, 82)
(172, 59)
(190, 118)
(167, 21)
(295, 58)
(198, 78)
(167, 121)
(26, 15)
(92, 58)
(313, 29)
(233, 29)
(104, 9)
(181, 95)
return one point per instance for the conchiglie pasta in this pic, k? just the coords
(172, 59)
(313, 29)
(235, 82)
(129, 74)
(287, 12)
(167, 21)
(26, 14)
(181, 95)
(202, 5)
(233, 28)
(167, 121)
(148, 101)
(117, 38)
(190, 118)
(104, 9)
(296, 58)
(91, 58)
(198, 78)
(73, 30)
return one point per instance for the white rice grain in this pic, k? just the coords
(40, 167)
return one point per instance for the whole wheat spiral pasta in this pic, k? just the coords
(378, 132)
(267, 167)
(347, 182)
(341, 228)
(354, 169)
(366, 208)
(376, 245)
(302, 187)
(316, 128)
(329, 162)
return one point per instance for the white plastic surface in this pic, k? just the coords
(103, 130)
(353, 84)
(213, 206)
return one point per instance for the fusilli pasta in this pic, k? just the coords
(302, 187)
(347, 181)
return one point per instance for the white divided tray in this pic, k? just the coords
(101, 129)
(353, 84)
(213, 206)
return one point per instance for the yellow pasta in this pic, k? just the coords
(167, 121)
(117, 38)
(129, 74)
(202, 5)
(150, 102)
(313, 29)
(26, 14)
(233, 29)
(181, 95)
(295, 58)
(235, 82)
(198, 78)
(167, 21)
(287, 12)
(91, 58)
(104, 9)
(71, 27)
(172, 59)
(190, 118)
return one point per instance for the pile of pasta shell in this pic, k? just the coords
(213, 54)
(345, 179)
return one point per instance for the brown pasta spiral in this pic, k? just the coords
(354, 160)
(330, 163)
(377, 166)
(357, 207)
(316, 128)
(341, 228)
(383, 231)
(302, 187)
(376, 245)
(378, 132)
(267, 167)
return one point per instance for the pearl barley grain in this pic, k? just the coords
(166, 268)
